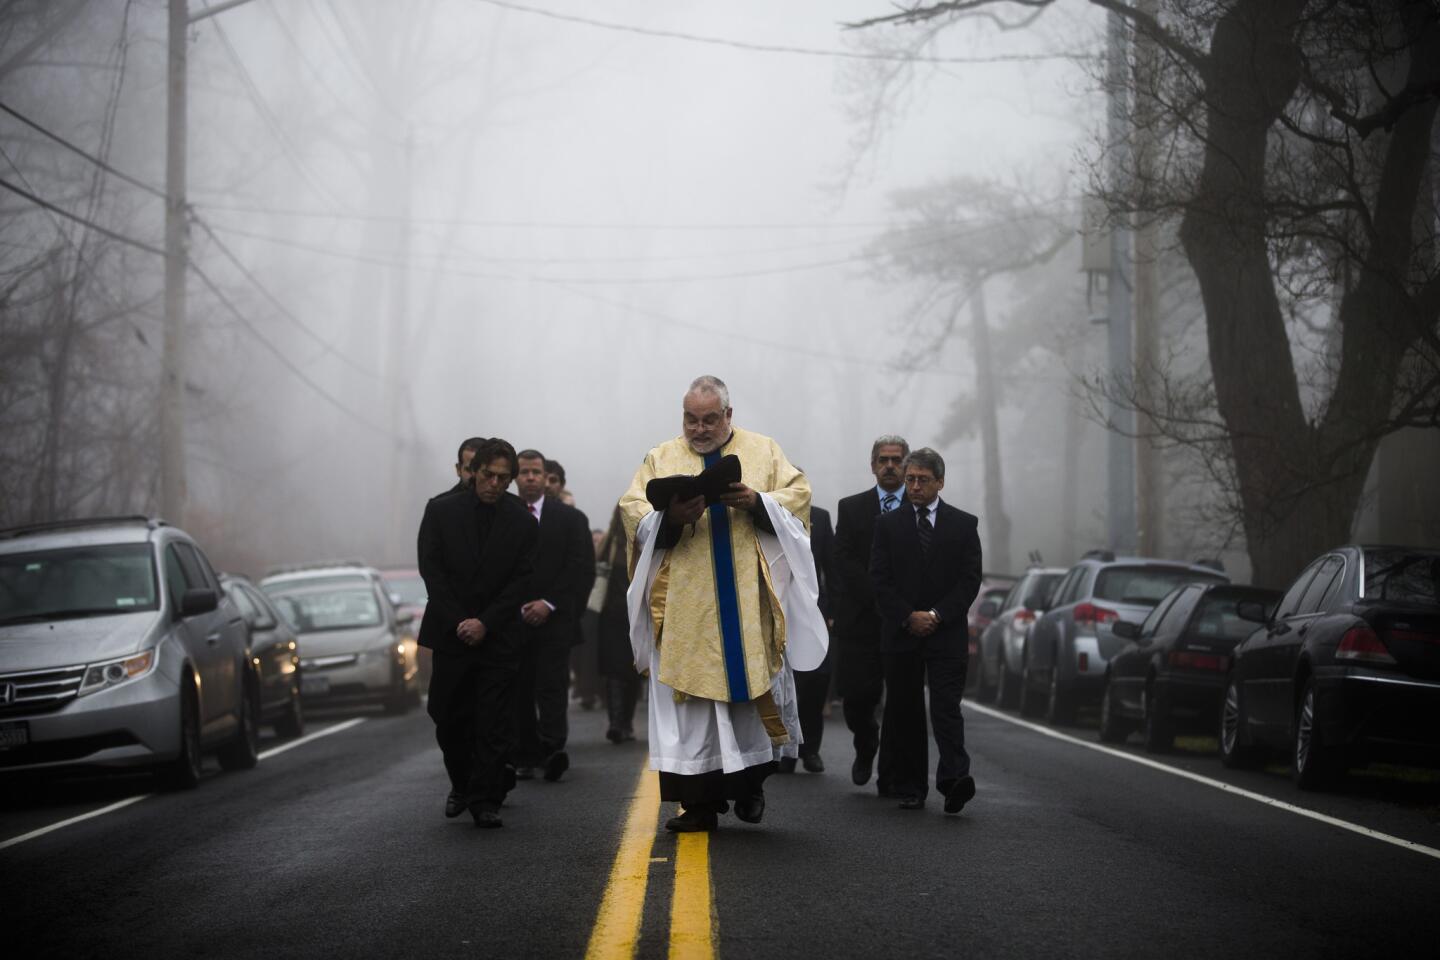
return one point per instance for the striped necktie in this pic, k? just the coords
(889, 503)
(925, 529)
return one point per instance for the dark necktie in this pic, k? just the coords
(925, 530)
(888, 503)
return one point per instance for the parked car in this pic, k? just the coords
(1071, 645)
(408, 593)
(1002, 644)
(1346, 669)
(274, 651)
(353, 648)
(983, 609)
(119, 650)
(1170, 677)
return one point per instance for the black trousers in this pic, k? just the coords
(904, 738)
(472, 704)
(713, 789)
(861, 684)
(812, 687)
(541, 722)
(621, 694)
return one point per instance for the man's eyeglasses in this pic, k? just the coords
(918, 480)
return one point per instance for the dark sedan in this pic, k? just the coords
(1170, 678)
(273, 649)
(1346, 670)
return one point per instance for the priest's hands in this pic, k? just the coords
(684, 512)
(740, 497)
(470, 632)
(921, 623)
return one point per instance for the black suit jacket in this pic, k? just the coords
(822, 547)
(946, 580)
(564, 568)
(469, 575)
(852, 596)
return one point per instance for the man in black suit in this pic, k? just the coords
(464, 476)
(559, 588)
(925, 567)
(857, 624)
(475, 550)
(813, 686)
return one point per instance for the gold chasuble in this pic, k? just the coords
(719, 626)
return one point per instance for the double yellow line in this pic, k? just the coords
(692, 923)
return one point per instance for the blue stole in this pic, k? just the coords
(727, 601)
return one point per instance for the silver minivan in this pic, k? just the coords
(119, 649)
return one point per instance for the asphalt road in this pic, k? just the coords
(337, 847)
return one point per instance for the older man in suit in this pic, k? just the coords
(925, 567)
(857, 624)
(475, 551)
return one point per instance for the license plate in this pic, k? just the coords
(314, 686)
(14, 734)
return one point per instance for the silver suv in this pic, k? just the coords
(118, 648)
(354, 647)
(1002, 645)
(1071, 645)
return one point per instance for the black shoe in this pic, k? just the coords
(524, 773)
(787, 765)
(960, 794)
(614, 735)
(751, 810)
(486, 816)
(695, 820)
(912, 802)
(455, 804)
(863, 765)
(813, 764)
(556, 765)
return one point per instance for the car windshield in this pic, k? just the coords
(1217, 618)
(1412, 576)
(312, 611)
(77, 582)
(1144, 586)
(408, 589)
(1042, 587)
(289, 584)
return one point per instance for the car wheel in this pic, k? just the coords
(1060, 705)
(243, 752)
(1159, 729)
(1236, 750)
(984, 690)
(1031, 704)
(1113, 727)
(399, 700)
(183, 773)
(1313, 764)
(1007, 684)
(292, 724)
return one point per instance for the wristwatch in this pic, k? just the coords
(932, 613)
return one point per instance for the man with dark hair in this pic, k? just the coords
(559, 589)
(475, 554)
(925, 567)
(554, 479)
(463, 458)
(860, 682)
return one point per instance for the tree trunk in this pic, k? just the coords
(997, 524)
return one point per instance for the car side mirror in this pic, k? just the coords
(1125, 629)
(198, 600)
(1251, 610)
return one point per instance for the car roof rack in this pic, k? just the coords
(48, 526)
(1106, 555)
(313, 565)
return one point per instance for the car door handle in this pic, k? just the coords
(1302, 629)
(213, 639)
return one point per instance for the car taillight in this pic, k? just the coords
(1362, 645)
(1089, 615)
(1190, 660)
(1024, 616)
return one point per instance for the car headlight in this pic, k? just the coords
(110, 673)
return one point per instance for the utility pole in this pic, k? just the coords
(396, 387)
(1149, 464)
(1121, 459)
(997, 523)
(172, 380)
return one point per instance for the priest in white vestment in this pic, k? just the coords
(722, 606)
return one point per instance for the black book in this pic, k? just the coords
(712, 482)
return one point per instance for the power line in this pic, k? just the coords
(103, 165)
(53, 208)
(779, 48)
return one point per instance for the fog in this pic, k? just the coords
(459, 217)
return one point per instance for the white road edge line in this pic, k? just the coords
(121, 804)
(273, 751)
(1217, 784)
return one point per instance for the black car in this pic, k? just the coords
(1346, 670)
(1170, 678)
(274, 651)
